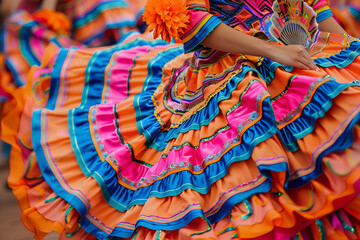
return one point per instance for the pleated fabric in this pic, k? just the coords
(142, 141)
(148, 140)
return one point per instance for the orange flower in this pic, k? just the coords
(168, 18)
(54, 20)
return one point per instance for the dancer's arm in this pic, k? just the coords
(227, 39)
(8, 7)
(325, 17)
(49, 4)
(331, 25)
(204, 29)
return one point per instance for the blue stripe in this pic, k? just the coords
(202, 117)
(321, 16)
(180, 181)
(25, 33)
(55, 79)
(100, 33)
(344, 141)
(122, 198)
(146, 121)
(319, 105)
(339, 60)
(96, 11)
(2, 38)
(194, 43)
(44, 166)
(355, 12)
(342, 59)
(24, 40)
(94, 75)
(19, 82)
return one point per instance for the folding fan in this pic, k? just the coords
(293, 22)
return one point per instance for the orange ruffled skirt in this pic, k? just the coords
(141, 141)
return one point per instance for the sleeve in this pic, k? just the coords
(200, 25)
(322, 9)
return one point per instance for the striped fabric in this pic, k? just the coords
(201, 24)
(23, 39)
(322, 9)
(96, 22)
(141, 140)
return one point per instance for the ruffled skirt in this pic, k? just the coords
(142, 141)
(94, 23)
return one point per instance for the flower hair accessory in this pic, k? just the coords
(168, 18)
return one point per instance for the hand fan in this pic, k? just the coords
(293, 22)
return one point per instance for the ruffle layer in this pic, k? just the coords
(24, 42)
(341, 224)
(104, 22)
(232, 118)
(25, 177)
(260, 180)
(23, 39)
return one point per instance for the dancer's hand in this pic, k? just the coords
(227, 39)
(292, 55)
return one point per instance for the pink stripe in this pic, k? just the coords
(36, 42)
(134, 171)
(196, 17)
(293, 97)
(120, 73)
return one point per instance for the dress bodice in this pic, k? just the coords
(240, 13)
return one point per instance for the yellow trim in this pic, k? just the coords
(322, 9)
(197, 29)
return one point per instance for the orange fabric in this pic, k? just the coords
(289, 211)
(54, 20)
